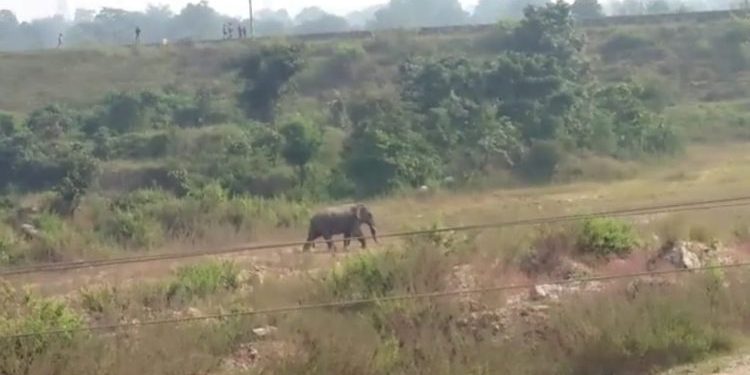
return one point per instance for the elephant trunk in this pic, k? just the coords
(373, 232)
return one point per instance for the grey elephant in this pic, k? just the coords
(344, 220)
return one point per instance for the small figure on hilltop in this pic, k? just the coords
(224, 31)
(59, 40)
(137, 35)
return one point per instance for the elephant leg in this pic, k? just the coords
(360, 237)
(328, 238)
(311, 237)
(347, 240)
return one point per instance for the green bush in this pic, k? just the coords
(140, 145)
(420, 266)
(203, 280)
(605, 237)
(7, 245)
(542, 160)
(132, 229)
(626, 336)
(22, 312)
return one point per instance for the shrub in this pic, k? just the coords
(140, 145)
(203, 280)
(95, 301)
(420, 267)
(653, 330)
(622, 44)
(132, 229)
(542, 160)
(22, 312)
(605, 237)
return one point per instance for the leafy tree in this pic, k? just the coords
(310, 14)
(8, 26)
(657, 7)
(302, 141)
(124, 112)
(269, 22)
(267, 73)
(495, 138)
(80, 170)
(327, 23)
(427, 83)
(635, 128)
(587, 9)
(50, 122)
(383, 151)
(550, 31)
(197, 21)
(534, 93)
(419, 13)
(517, 8)
(360, 18)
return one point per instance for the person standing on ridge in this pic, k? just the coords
(137, 35)
(60, 40)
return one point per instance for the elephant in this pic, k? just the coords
(344, 220)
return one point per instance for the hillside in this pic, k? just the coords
(121, 153)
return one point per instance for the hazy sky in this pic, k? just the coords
(28, 9)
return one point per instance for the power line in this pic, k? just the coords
(666, 208)
(366, 301)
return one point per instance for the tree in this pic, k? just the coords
(198, 21)
(80, 170)
(50, 122)
(124, 113)
(549, 30)
(327, 23)
(419, 13)
(309, 14)
(267, 73)
(302, 141)
(657, 7)
(8, 21)
(586, 9)
(384, 151)
(517, 8)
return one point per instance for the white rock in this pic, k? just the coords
(681, 256)
(264, 331)
(545, 291)
(29, 230)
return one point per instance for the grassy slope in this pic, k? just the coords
(31, 80)
(706, 172)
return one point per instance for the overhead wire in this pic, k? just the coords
(664, 208)
(366, 301)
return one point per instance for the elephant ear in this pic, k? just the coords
(357, 211)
